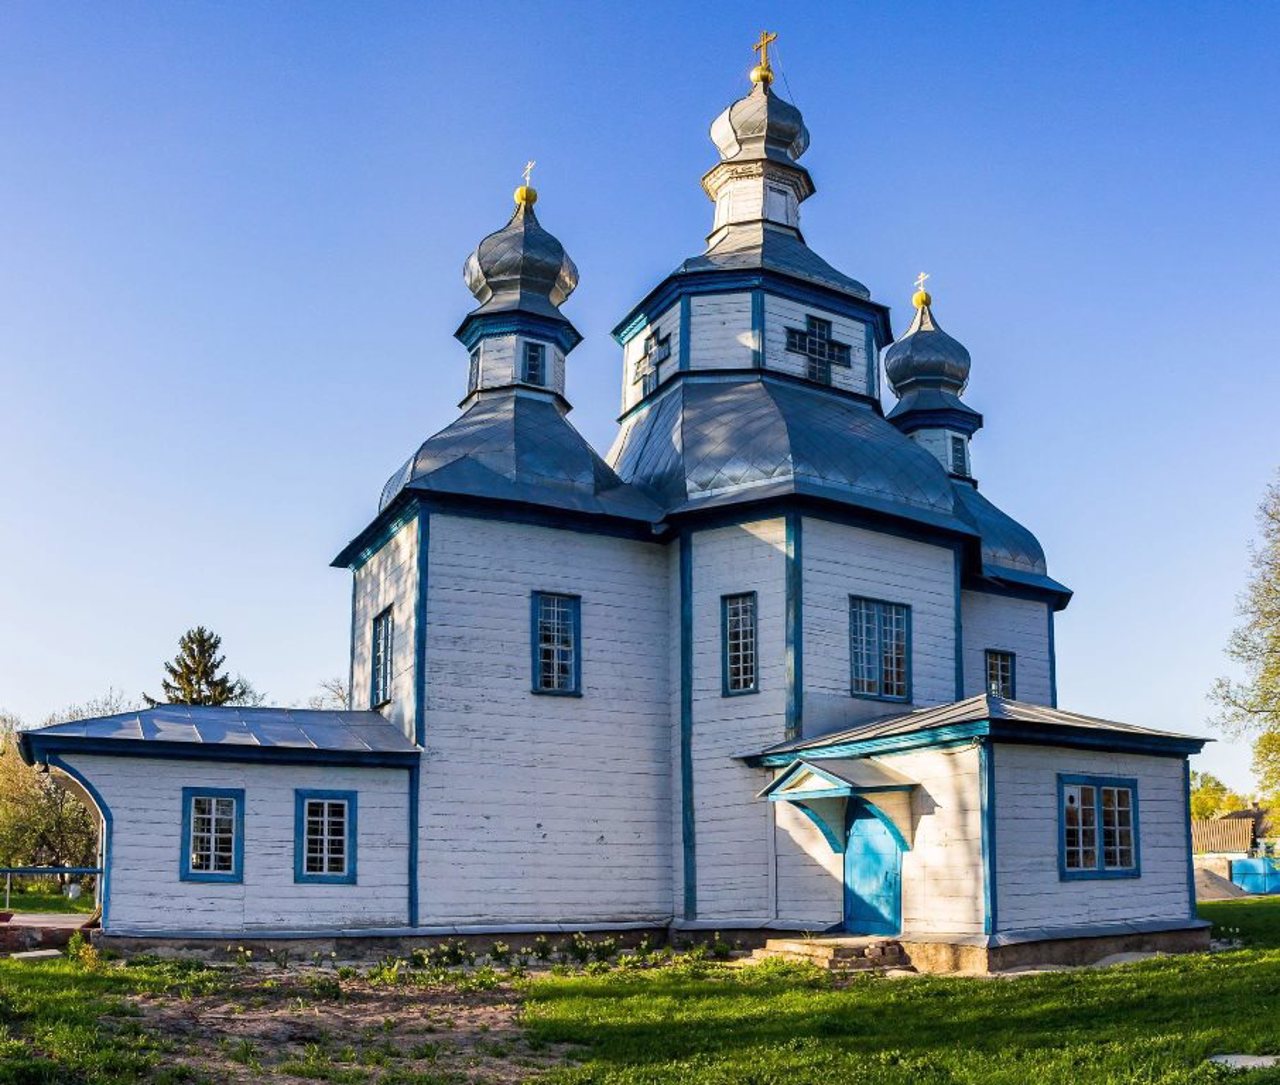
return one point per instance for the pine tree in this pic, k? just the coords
(195, 676)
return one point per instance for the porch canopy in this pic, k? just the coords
(822, 792)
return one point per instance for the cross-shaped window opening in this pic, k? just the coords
(657, 349)
(815, 343)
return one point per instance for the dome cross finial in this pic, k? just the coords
(526, 195)
(921, 297)
(762, 72)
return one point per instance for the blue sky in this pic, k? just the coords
(231, 238)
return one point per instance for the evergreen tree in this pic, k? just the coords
(1251, 707)
(196, 677)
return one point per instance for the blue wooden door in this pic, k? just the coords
(872, 875)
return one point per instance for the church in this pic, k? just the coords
(773, 663)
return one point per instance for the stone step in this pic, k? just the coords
(835, 954)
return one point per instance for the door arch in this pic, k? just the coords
(872, 871)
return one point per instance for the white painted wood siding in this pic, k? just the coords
(544, 808)
(502, 361)
(720, 335)
(782, 313)
(667, 324)
(810, 875)
(840, 561)
(942, 890)
(733, 827)
(145, 799)
(1029, 892)
(388, 579)
(1020, 626)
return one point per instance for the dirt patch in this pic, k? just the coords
(300, 1026)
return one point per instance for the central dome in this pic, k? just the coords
(761, 125)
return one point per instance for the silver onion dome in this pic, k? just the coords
(521, 266)
(761, 125)
(926, 355)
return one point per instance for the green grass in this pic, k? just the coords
(47, 902)
(1152, 1022)
(60, 1022)
(1253, 921)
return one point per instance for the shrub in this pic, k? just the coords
(542, 947)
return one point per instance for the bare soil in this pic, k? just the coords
(305, 1026)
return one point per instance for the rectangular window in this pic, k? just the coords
(324, 837)
(1098, 827)
(535, 364)
(212, 834)
(556, 636)
(384, 635)
(879, 649)
(738, 638)
(473, 372)
(959, 458)
(1001, 673)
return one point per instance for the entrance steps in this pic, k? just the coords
(837, 954)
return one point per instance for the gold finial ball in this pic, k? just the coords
(762, 73)
(921, 298)
(526, 196)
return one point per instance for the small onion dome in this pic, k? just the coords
(521, 266)
(761, 125)
(926, 355)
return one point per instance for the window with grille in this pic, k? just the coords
(325, 836)
(959, 457)
(814, 341)
(1000, 673)
(557, 662)
(213, 834)
(879, 649)
(1098, 835)
(473, 372)
(535, 364)
(738, 634)
(384, 632)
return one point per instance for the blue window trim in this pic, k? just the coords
(236, 873)
(1066, 780)
(575, 610)
(375, 701)
(725, 691)
(528, 351)
(300, 798)
(1013, 670)
(905, 698)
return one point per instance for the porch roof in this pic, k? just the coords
(999, 718)
(226, 733)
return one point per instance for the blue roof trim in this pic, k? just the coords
(40, 748)
(962, 421)
(478, 326)
(681, 283)
(380, 531)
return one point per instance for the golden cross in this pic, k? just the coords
(528, 169)
(762, 47)
(920, 280)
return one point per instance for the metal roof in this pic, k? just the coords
(1009, 551)
(280, 729)
(926, 353)
(517, 445)
(522, 268)
(971, 710)
(761, 125)
(708, 440)
(758, 245)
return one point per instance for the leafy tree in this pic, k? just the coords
(1211, 798)
(196, 676)
(43, 823)
(1252, 706)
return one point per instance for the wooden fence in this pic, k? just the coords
(1231, 836)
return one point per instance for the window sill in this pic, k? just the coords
(556, 692)
(202, 876)
(380, 705)
(725, 692)
(324, 879)
(880, 697)
(1096, 875)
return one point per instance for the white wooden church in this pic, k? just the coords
(774, 662)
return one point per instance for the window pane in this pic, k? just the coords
(211, 845)
(740, 642)
(557, 642)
